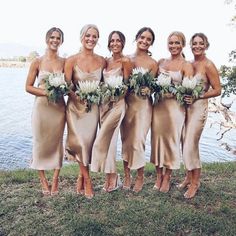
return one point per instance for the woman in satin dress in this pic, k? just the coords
(137, 121)
(48, 118)
(206, 71)
(111, 115)
(82, 125)
(168, 115)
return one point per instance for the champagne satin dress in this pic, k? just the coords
(81, 125)
(195, 121)
(48, 123)
(134, 130)
(105, 145)
(166, 129)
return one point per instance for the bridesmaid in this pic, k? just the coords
(168, 116)
(137, 119)
(48, 118)
(82, 125)
(111, 115)
(206, 71)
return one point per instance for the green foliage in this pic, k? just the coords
(139, 81)
(228, 75)
(33, 55)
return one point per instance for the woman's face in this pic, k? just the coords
(198, 46)
(54, 41)
(175, 45)
(144, 41)
(90, 39)
(115, 44)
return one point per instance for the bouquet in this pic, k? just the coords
(56, 87)
(113, 89)
(141, 82)
(190, 87)
(162, 86)
(88, 91)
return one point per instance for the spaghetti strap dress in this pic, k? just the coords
(105, 146)
(81, 125)
(48, 123)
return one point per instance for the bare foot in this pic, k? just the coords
(106, 184)
(115, 183)
(127, 182)
(192, 190)
(80, 185)
(54, 190)
(165, 186)
(45, 187)
(88, 188)
(158, 183)
(184, 184)
(138, 184)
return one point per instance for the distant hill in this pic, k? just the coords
(10, 50)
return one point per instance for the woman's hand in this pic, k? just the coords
(168, 95)
(145, 91)
(188, 99)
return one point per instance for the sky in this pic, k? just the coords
(26, 22)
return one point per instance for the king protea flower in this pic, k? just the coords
(56, 79)
(115, 81)
(139, 70)
(163, 80)
(88, 86)
(189, 83)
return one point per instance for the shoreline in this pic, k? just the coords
(14, 64)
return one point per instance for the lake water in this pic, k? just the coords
(16, 136)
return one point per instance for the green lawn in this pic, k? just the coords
(23, 210)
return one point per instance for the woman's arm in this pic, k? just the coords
(32, 74)
(214, 80)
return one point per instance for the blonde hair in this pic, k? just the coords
(84, 30)
(180, 35)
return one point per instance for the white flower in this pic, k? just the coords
(189, 83)
(88, 86)
(56, 79)
(115, 81)
(139, 70)
(163, 80)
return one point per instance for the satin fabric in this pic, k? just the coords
(166, 129)
(195, 121)
(134, 130)
(48, 123)
(105, 146)
(81, 125)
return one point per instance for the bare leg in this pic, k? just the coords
(139, 180)
(158, 183)
(165, 186)
(127, 180)
(195, 184)
(88, 188)
(187, 180)
(114, 182)
(44, 183)
(54, 189)
(106, 184)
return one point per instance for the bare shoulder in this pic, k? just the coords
(209, 64)
(35, 63)
(160, 61)
(71, 58)
(126, 59)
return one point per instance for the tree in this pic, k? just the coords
(32, 55)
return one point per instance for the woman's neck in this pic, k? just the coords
(178, 57)
(51, 54)
(86, 52)
(200, 57)
(117, 56)
(140, 53)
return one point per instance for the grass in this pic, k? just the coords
(23, 210)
